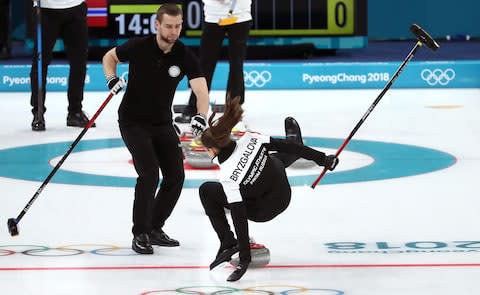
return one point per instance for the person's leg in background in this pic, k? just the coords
(210, 49)
(5, 15)
(75, 36)
(50, 28)
(237, 51)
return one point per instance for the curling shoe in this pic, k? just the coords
(159, 238)
(292, 130)
(78, 120)
(141, 244)
(38, 123)
(224, 256)
(238, 273)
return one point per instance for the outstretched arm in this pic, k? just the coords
(302, 151)
(199, 121)
(199, 87)
(110, 62)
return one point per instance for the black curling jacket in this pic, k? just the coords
(247, 172)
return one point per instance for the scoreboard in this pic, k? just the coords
(272, 19)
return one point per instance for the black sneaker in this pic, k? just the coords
(38, 123)
(78, 120)
(224, 256)
(183, 118)
(292, 130)
(141, 244)
(160, 238)
(240, 270)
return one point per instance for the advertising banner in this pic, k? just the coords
(282, 75)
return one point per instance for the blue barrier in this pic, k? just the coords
(284, 75)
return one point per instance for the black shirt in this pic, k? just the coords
(153, 77)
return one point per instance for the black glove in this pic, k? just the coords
(240, 270)
(331, 161)
(115, 84)
(198, 124)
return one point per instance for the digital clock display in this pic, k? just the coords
(280, 18)
(133, 20)
(271, 18)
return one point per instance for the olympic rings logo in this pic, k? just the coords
(438, 76)
(256, 78)
(62, 251)
(268, 290)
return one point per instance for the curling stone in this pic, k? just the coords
(260, 256)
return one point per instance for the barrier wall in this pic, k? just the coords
(284, 75)
(391, 19)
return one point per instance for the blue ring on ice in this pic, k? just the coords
(391, 160)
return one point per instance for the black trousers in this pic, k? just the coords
(260, 208)
(154, 147)
(70, 25)
(5, 15)
(210, 49)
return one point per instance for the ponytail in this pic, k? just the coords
(218, 134)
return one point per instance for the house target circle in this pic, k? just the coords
(390, 160)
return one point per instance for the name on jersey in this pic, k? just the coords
(257, 167)
(242, 162)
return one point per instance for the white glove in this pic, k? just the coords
(115, 84)
(198, 124)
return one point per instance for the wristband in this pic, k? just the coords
(108, 78)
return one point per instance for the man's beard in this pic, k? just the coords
(167, 40)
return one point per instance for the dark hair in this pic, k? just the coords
(170, 9)
(219, 132)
